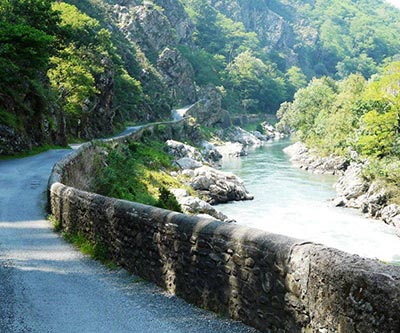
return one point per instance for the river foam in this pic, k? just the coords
(293, 202)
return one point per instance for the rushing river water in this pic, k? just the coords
(293, 202)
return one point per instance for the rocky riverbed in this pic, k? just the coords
(211, 185)
(199, 168)
(352, 189)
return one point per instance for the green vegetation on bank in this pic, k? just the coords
(138, 171)
(27, 40)
(87, 58)
(352, 115)
(259, 68)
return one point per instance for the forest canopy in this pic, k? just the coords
(78, 69)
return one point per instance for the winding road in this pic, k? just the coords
(46, 285)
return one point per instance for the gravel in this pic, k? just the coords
(46, 285)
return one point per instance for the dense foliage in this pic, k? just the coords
(261, 66)
(351, 116)
(72, 68)
(226, 54)
(26, 42)
(87, 57)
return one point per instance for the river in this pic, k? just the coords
(293, 202)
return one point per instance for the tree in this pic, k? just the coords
(256, 84)
(378, 133)
(296, 80)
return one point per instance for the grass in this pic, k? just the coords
(251, 127)
(8, 119)
(94, 249)
(32, 152)
(136, 171)
(56, 223)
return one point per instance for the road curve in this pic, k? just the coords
(48, 286)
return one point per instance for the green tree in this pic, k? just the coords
(296, 79)
(256, 84)
(378, 133)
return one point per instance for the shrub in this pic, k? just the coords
(167, 200)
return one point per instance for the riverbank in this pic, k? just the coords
(353, 189)
(200, 167)
(296, 203)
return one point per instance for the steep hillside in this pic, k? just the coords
(81, 69)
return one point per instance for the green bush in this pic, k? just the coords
(167, 200)
(135, 171)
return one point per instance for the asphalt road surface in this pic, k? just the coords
(48, 286)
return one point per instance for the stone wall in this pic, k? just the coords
(271, 282)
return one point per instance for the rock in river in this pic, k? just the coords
(217, 186)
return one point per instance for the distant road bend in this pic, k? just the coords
(48, 286)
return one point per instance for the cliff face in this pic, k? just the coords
(31, 121)
(158, 31)
(274, 32)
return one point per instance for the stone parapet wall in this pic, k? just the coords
(274, 283)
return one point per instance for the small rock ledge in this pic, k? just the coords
(307, 159)
(213, 186)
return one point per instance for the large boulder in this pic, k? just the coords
(231, 149)
(217, 186)
(351, 185)
(237, 134)
(260, 136)
(196, 206)
(188, 163)
(180, 150)
(296, 151)
(210, 152)
(391, 215)
(374, 200)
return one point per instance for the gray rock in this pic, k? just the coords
(376, 199)
(271, 132)
(396, 222)
(188, 163)
(181, 150)
(260, 136)
(390, 212)
(178, 74)
(351, 185)
(309, 160)
(296, 150)
(12, 142)
(210, 152)
(231, 149)
(217, 186)
(339, 202)
(208, 110)
(237, 134)
(196, 206)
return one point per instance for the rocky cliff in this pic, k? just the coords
(275, 32)
(158, 31)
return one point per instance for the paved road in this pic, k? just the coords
(48, 286)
